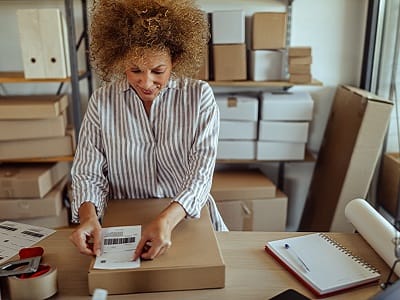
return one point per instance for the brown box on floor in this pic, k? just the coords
(347, 158)
(230, 62)
(27, 180)
(249, 201)
(24, 208)
(388, 184)
(267, 214)
(193, 262)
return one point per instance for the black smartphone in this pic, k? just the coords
(290, 294)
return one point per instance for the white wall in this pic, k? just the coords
(333, 28)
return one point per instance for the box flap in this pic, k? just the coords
(366, 94)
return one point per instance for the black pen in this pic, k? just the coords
(289, 248)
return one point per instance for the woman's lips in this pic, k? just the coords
(147, 92)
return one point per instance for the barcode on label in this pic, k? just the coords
(8, 228)
(119, 241)
(32, 233)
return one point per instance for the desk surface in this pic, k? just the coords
(250, 272)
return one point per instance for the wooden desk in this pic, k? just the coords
(250, 272)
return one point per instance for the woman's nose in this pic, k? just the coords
(147, 80)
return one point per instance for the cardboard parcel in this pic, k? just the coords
(194, 260)
(347, 158)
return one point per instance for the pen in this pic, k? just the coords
(289, 248)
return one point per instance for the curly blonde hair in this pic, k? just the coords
(122, 30)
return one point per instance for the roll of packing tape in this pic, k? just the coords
(34, 288)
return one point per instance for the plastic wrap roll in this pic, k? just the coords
(35, 288)
(375, 229)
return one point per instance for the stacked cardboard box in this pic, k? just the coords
(34, 127)
(268, 40)
(34, 193)
(283, 128)
(299, 64)
(249, 201)
(238, 126)
(228, 44)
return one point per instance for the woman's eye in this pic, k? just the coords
(158, 72)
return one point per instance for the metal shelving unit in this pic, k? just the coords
(77, 75)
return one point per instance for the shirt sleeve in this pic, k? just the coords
(198, 179)
(89, 168)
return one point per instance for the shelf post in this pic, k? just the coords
(73, 57)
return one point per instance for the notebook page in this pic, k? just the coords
(331, 268)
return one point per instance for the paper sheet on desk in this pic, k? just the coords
(15, 236)
(117, 248)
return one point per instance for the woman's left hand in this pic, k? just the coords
(156, 236)
(156, 239)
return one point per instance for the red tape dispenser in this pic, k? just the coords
(28, 279)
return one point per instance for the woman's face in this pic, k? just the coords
(149, 75)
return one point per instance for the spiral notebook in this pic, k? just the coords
(321, 263)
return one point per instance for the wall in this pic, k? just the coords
(333, 28)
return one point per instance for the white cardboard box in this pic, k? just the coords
(237, 107)
(237, 130)
(43, 41)
(296, 106)
(266, 65)
(280, 150)
(228, 27)
(283, 131)
(236, 150)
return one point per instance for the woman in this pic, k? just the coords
(151, 131)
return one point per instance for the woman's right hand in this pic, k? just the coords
(87, 236)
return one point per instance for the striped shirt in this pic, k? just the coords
(124, 154)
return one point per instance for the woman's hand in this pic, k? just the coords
(156, 237)
(87, 236)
